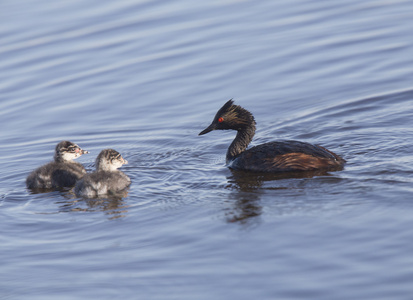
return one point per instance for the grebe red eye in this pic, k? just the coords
(220, 120)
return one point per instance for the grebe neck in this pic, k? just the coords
(240, 143)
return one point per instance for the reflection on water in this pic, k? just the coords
(247, 190)
(245, 209)
(142, 77)
(114, 205)
(249, 181)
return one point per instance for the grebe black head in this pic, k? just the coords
(269, 157)
(67, 151)
(231, 116)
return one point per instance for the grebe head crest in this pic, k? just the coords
(230, 116)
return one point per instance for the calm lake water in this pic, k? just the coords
(144, 78)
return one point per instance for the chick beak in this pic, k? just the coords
(83, 152)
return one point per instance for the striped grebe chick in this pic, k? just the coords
(106, 179)
(278, 156)
(62, 172)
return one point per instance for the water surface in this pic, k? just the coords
(144, 78)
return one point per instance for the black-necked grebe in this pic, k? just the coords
(107, 179)
(62, 172)
(280, 156)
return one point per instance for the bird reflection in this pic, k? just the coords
(112, 205)
(248, 191)
(245, 211)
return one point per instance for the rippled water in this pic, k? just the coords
(144, 78)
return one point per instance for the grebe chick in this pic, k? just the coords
(279, 156)
(62, 172)
(106, 179)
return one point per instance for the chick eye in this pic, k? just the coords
(220, 120)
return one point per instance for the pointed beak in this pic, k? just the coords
(208, 129)
(125, 162)
(83, 152)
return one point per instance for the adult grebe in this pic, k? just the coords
(279, 156)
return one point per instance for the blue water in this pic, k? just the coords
(144, 78)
